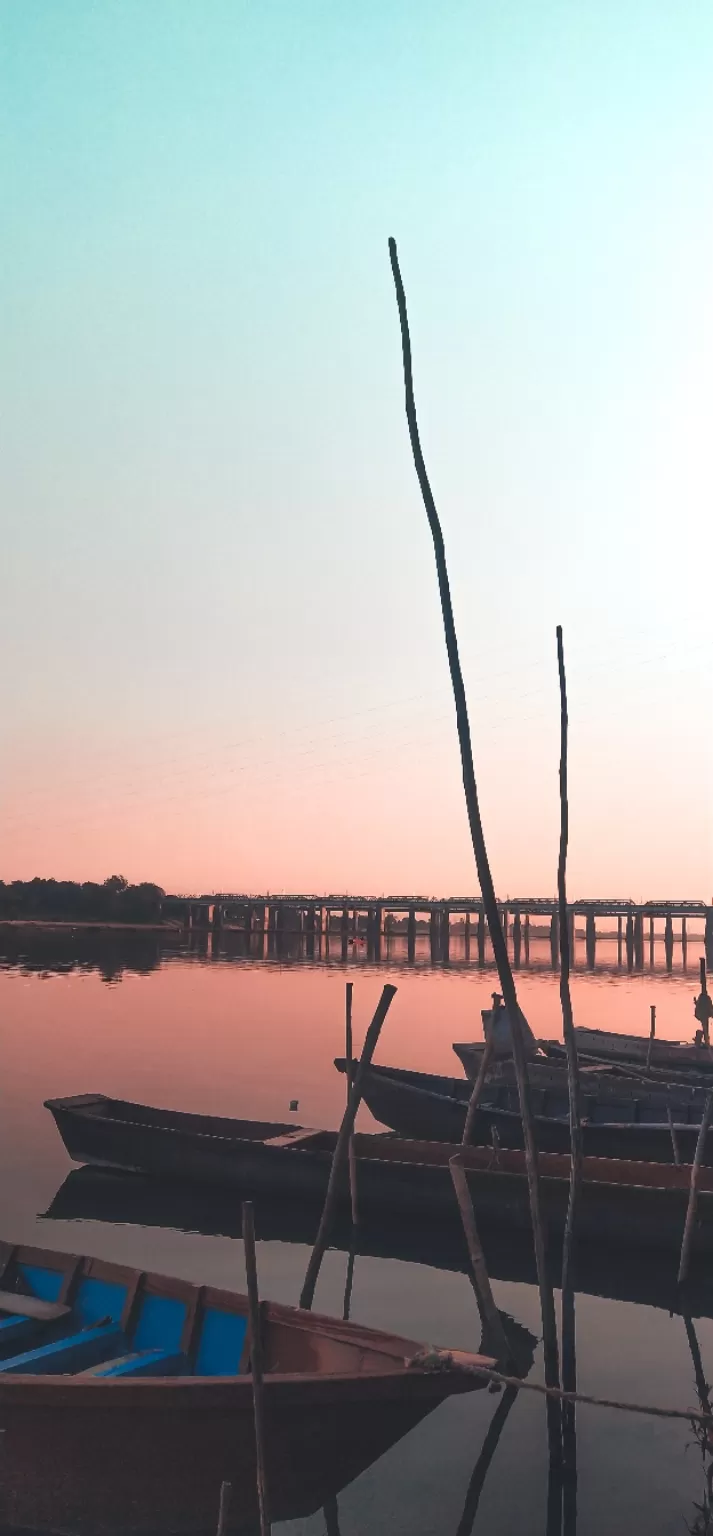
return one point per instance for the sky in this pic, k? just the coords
(223, 664)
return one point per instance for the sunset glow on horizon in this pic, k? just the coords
(223, 660)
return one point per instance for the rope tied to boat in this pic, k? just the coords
(433, 1359)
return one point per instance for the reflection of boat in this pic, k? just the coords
(605, 1046)
(620, 1202)
(134, 1392)
(422, 1105)
(105, 1195)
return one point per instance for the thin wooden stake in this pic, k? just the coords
(492, 1321)
(226, 1490)
(569, 1362)
(507, 984)
(477, 1093)
(693, 1191)
(652, 1035)
(341, 1148)
(350, 1079)
(674, 1139)
(256, 1364)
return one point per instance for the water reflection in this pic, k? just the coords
(111, 952)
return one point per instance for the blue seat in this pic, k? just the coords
(144, 1362)
(68, 1355)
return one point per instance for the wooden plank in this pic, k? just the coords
(292, 1138)
(32, 1306)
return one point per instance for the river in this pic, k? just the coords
(146, 1017)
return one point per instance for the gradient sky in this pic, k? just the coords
(222, 661)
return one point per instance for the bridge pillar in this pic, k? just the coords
(271, 919)
(652, 939)
(630, 939)
(445, 934)
(555, 939)
(466, 935)
(668, 941)
(345, 921)
(505, 919)
(526, 937)
(481, 938)
(378, 927)
(619, 927)
(572, 930)
(411, 933)
(516, 938)
(684, 936)
(708, 939)
(591, 939)
(639, 939)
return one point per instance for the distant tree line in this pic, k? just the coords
(114, 901)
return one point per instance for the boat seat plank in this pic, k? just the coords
(32, 1306)
(69, 1355)
(143, 1362)
(293, 1138)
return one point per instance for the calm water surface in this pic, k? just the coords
(140, 1019)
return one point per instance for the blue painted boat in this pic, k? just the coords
(126, 1399)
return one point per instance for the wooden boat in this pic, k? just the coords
(426, 1106)
(623, 1203)
(673, 1054)
(126, 1399)
(609, 1078)
(642, 1276)
(605, 1047)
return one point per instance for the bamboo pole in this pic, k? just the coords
(507, 984)
(693, 1192)
(652, 1035)
(223, 1508)
(256, 1364)
(349, 1282)
(569, 1360)
(492, 1321)
(477, 1093)
(350, 1079)
(674, 1139)
(340, 1150)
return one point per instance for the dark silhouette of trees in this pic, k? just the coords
(115, 901)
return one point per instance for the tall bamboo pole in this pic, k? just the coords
(693, 1191)
(569, 1361)
(350, 1078)
(256, 1366)
(341, 1148)
(507, 984)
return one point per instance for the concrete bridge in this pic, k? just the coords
(374, 917)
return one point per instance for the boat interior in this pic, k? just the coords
(82, 1317)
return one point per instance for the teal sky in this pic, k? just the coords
(222, 658)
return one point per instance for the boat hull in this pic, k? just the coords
(421, 1106)
(110, 1467)
(623, 1204)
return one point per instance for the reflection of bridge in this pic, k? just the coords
(373, 917)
